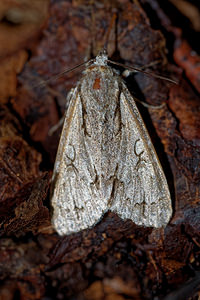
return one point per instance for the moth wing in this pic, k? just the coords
(141, 192)
(76, 202)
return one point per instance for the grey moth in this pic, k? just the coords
(105, 159)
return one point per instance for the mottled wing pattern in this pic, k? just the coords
(106, 160)
(76, 202)
(141, 191)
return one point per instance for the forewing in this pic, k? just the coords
(141, 191)
(76, 201)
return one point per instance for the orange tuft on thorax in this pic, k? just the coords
(96, 85)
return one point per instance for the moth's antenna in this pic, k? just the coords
(93, 27)
(141, 71)
(112, 22)
(43, 82)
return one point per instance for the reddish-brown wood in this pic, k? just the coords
(116, 259)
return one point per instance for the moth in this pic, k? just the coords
(105, 159)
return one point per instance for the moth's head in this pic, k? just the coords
(101, 59)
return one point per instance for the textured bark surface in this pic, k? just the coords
(116, 259)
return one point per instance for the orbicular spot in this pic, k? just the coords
(96, 85)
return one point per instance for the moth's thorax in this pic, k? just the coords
(102, 69)
(100, 79)
(100, 66)
(99, 87)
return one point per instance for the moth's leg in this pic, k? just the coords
(149, 105)
(126, 73)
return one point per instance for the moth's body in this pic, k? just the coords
(105, 159)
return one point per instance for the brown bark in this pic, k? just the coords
(116, 259)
